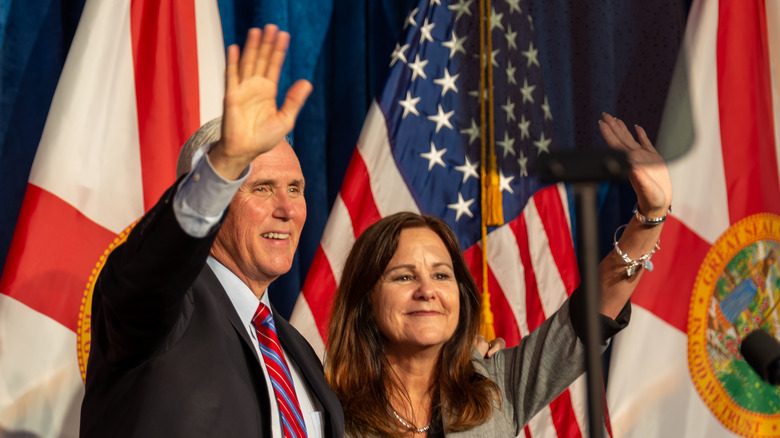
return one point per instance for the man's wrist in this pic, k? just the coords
(226, 166)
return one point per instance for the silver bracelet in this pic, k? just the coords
(649, 220)
(632, 265)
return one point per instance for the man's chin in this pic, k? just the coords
(275, 270)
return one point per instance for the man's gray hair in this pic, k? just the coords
(204, 137)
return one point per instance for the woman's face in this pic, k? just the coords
(416, 301)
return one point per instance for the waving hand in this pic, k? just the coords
(252, 123)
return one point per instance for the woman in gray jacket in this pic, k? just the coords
(406, 313)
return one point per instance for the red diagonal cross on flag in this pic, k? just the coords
(127, 99)
(677, 371)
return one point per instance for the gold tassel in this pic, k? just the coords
(495, 208)
(486, 319)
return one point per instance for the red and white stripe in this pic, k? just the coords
(730, 172)
(279, 372)
(532, 265)
(127, 98)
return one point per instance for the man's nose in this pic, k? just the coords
(284, 207)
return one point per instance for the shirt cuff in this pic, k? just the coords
(609, 327)
(203, 196)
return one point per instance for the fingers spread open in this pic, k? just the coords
(270, 34)
(296, 97)
(249, 53)
(231, 69)
(276, 62)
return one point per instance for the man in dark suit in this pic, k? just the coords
(177, 347)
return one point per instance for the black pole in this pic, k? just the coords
(588, 261)
(585, 168)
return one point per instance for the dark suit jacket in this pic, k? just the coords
(169, 356)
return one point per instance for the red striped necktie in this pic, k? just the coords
(281, 380)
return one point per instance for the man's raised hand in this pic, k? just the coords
(251, 123)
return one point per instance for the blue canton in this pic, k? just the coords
(431, 104)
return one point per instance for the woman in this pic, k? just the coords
(406, 311)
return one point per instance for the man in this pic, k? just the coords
(182, 343)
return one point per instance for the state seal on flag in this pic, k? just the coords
(737, 290)
(84, 329)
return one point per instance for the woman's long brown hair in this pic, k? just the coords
(356, 367)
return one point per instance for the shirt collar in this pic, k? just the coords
(243, 299)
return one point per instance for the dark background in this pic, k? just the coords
(597, 55)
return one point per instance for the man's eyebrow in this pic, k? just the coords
(272, 181)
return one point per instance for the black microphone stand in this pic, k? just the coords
(586, 168)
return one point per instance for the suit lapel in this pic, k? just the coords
(296, 347)
(299, 350)
(215, 287)
(208, 281)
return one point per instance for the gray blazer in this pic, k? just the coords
(530, 375)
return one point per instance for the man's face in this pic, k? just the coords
(263, 225)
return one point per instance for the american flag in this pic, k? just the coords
(420, 150)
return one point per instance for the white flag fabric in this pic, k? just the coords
(129, 95)
(677, 369)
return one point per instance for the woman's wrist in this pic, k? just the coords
(651, 217)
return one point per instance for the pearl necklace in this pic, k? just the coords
(407, 425)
